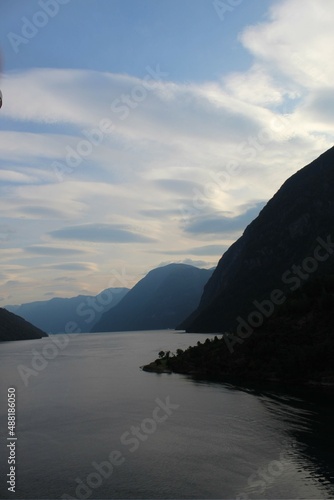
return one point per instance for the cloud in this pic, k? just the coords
(75, 266)
(177, 186)
(318, 110)
(221, 224)
(6, 232)
(42, 95)
(100, 233)
(42, 212)
(296, 40)
(213, 250)
(206, 250)
(255, 86)
(159, 213)
(65, 279)
(53, 251)
(14, 177)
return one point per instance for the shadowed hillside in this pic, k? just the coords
(160, 300)
(13, 327)
(53, 315)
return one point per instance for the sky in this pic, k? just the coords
(137, 133)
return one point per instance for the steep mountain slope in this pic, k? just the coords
(12, 327)
(290, 242)
(160, 300)
(85, 310)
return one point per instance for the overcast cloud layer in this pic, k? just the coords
(105, 176)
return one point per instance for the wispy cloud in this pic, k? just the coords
(205, 250)
(75, 266)
(49, 250)
(102, 233)
(222, 224)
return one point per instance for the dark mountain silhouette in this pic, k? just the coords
(84, 310)
(289, 243)
(12, 327)
(294, 347)
(160, 300)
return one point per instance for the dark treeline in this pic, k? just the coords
(295, 345)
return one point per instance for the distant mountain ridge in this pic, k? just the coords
(53, 315)
(13, 327)
(160, 300)
(291, 240)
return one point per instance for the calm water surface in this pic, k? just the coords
(92, 404)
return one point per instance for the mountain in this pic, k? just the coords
(13, 327)
(289, 243)
(84, 310)
(160, 300)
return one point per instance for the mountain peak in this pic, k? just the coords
(273, 250)
(160, 300)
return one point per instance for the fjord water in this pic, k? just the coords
(212, 441)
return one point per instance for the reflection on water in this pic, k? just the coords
(303, 424)
(221, 441)
(309, 422)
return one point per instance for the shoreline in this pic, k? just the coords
(310, 387)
